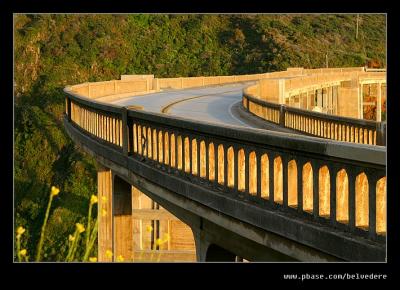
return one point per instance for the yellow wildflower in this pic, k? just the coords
(149, 229)
(20, 231)
(159, 242)
(109, 254)
(120, 258)
(54, 191)
(71, 238)
(23, 252)
(93, 259)
(80, 227)
(93, 199)
(103, 199)
(103, 212)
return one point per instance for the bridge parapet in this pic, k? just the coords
(271, 100)
(340, 185)
(317, 124)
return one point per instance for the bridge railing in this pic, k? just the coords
(97, 119)
(315, 123)
(95, 90)
(189, 82)
(342, 185)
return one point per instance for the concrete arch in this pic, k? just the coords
(324, 192)
(149, 143)
(173, 160)
(308, 187)
(231, 167)
(203, 159)
(155, 145)
(381, 206)
(278, 180)
(264, 176)
(342, 196)
(241, 170)
(166, 148)
(187, 154)
(139, 139)
(221, 157)
(179, 154)
(160, 147)
(135, 144)
(292, 183)
(211, 161)
(194, 157)
(253, 173)
(216, 253)
(362, 202)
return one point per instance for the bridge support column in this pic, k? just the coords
(207, 251)
(115, 237)
(201, 244)
(105, 231)
(122, 220)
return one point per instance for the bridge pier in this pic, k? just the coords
(122, 220)
(114, 214)
(130, 223)
(201, 245)
(105, 214)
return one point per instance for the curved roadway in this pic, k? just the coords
(212, 104)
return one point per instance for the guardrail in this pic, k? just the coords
(337, 184)
(317, 124)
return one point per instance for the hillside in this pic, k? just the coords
(52, 51)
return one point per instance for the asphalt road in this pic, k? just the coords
(216, 104)
(209, 104)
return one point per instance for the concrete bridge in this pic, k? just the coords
(191, 159)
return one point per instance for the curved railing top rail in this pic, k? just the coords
(91, 102)
(135, 84)
(306, 81)
(362, 122)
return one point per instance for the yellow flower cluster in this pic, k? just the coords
(71, 238)
(93, 199)
(103, 212)
(20, 231)
(54, 191)
(163, 241)
(109, 254)
(93, 259)
(120, 258)
(23, 252)
(80, 227)
(149, 229)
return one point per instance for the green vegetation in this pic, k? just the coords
(52, 51)
(75, 250)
